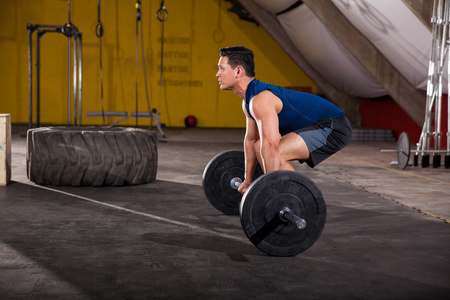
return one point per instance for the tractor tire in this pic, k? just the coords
(91, 156)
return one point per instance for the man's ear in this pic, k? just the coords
(240, 71)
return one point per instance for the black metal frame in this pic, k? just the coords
(69, 31)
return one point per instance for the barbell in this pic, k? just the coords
(404, 150)
(283, 213)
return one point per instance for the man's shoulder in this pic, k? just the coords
(266, 100)
(265, 95)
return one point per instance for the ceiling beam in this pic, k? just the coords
(423, 9)
(406, 95)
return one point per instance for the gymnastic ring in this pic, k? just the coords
(160, 14)
(99, 30)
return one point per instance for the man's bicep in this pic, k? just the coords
(266, 119)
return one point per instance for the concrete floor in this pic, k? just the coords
(387, 234)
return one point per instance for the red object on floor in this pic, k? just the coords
(190, 121)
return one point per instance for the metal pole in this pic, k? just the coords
(80, 79)
(75, 79)
(30, 78)
(69, 26)
(424, 142)
(447, 158)
(68, 81)
(438, 107)
(138, 19)
(38, 79)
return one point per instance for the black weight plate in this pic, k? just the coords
(217, 180)
(260, 208)
(403, 150)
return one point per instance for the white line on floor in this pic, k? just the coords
(190, 226)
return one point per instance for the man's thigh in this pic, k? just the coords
(325, 138)
(293, 147)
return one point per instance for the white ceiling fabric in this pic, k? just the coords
(389, 24)
(396, 32)
(328, 56)
(276, 6)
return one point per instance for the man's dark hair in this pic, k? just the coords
(239, 55)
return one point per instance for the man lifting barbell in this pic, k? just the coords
(282, 125)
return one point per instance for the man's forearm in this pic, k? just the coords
(270, 156)
(250, 159)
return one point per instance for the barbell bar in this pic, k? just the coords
(404, 150)
(287, 215)
(414, 151)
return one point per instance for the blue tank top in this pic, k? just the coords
(299, 109)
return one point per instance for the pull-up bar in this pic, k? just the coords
(69, 31)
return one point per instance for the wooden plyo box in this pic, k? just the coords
(5, 149)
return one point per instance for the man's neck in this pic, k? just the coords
(241, 88)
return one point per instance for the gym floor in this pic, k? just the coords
(387, 234)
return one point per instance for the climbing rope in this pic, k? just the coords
(162, 15)
(139, 20)
(99, 34)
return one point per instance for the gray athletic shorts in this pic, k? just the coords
(325, 138)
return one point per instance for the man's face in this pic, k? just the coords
(225, 74)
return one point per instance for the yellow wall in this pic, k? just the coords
(194, 32)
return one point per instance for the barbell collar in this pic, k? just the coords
(287, 215)
(236, 183)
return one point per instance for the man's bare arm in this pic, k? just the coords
(265, 108)
(251, 137)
